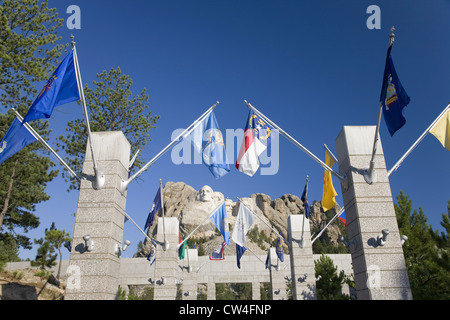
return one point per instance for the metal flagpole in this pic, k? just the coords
(399, 162)
(124, 184)
(321, 231)
(369, 174)
(240, 201)
(255, 255)
(201, 223)
(45, 144)
(330, 153)
(129, 218)
(166, 243)
(343, 179)
(99, 179)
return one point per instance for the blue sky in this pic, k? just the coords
(310, 66)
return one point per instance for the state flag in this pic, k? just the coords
(61, 88)
(16, 138)
(257, 137)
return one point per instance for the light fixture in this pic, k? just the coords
(347, 243)
(118, 250)
(403, 238)
(382, 238)
(68, 245)
(89, 243)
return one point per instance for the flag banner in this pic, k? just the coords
(279, 250)
(152, 255)
(181, 250)
(219, 218)
(304, 199)
(219, 253)
(207, 140)
(257, 137)
(239, 253)
(393, 97)
(268, 259)
(441, 130)
(342, 218)
(157, 205)
(61, 88)
(328, 200)
(16, 138)
(244, 222)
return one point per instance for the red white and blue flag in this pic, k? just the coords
(342, 218)
(257, 137)
(219, 253)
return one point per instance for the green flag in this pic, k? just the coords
(182, 248)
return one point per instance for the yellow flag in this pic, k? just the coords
(328, 201)
(442, 130)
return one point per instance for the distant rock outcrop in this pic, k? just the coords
(192, 207)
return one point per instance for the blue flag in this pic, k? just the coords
(268, 259)
(155, 208)
(279, 250)
(393, 97)
(219, 218)
(16, 138)
(61, 88)
(305, 200)
(208, 141)
(239, 252)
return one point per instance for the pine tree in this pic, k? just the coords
(28, 54)
(111, 107)
(329, 282)
(426, 252)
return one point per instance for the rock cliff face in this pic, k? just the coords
(192, 207)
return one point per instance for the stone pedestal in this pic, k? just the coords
(302, 262)
(167, 271)
(95, 274)
(379, 270)
(190, 263)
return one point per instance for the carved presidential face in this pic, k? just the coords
(205, 193)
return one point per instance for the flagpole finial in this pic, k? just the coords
(72, 42)
(391, 36)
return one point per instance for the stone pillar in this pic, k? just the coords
(277, 277)
(95, 274)
(302, 262)
(167, 271)
(190, 263)
(211, 289)
(256, 291)
(379, 270)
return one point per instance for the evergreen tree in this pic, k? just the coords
(329, 282)
(28, 54)
(426, 252)
(56, 238)
(111, 107)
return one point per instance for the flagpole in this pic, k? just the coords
(321, 231)
(99, 179)
(255, 255)
(400, 161)
(369, 175)
(240, 201)
(330, 153)
(166, 243)
(343, 179)
(201, 223)
(304, 214)
(124, 184)
(129, 218)
(45, 144)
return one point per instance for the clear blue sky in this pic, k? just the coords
(310, 66)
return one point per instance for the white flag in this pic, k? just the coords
(244, 221)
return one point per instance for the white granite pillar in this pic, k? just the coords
(167, 272)
(302, 262)
(379, 270)
(94, 275)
